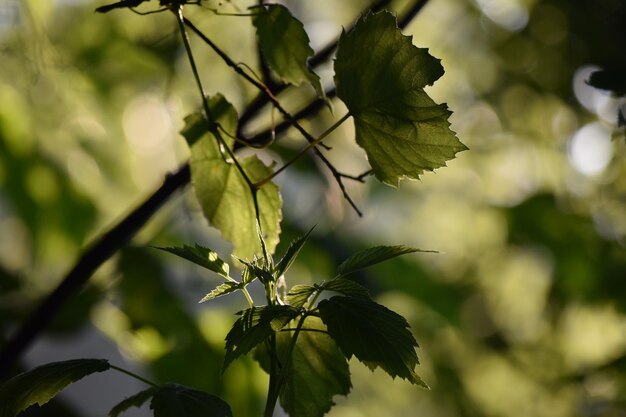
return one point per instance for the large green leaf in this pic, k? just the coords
(40, 385)
(202, 256)
(255, 325)
(285, 45)
(374, 334)
(173, 400)
(316, 371)
(222, 191)
(380, 76)
(136, 400)
(373, 256)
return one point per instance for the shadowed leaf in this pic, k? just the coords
(40, 385)
(374, 334)
(173, 400)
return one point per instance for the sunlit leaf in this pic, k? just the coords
(380, 76)
(40, 385)
(222, 191)
(173, 400)
(292, 252)
(374, 334)
(316, 372)
(253, 327)
(222, 289)
(202, 256)
(285, 45)
(299, 294)
(136, 400)
(373, 256)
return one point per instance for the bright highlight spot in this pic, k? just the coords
(591, 149)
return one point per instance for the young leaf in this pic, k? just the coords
(222, 191)
(292, 252)
(222, 289)
(299, 294)
(372, 256)
(380, 76)
(285, 45)
(40, 385)
(253, 270)
(202, 256)
(316, 371)
(173, 400)
(136, 400)
(345, 287)
(254, 326)
(374, 334)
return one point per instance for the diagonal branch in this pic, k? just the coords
(108, 243)
(94, 256)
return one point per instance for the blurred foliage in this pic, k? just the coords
(520, 314)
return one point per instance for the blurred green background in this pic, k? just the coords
(520, 314)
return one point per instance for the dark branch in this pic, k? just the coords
(116, 237)
(90, 260)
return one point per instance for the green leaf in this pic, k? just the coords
(254, 270)
(373, 256)
(136, 400)
(222, 191)
(316, 371)
(202, 256)
(380, 76)
(173, 400)
(254, 326)
(299, 294)
(292, 252)
(345, 287)
(285, 45)
(374, 334)
(40, 385)
(222, 289)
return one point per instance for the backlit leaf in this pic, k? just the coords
(372, 256)
(202, 256)
(374, 334)
(222, 191)
(173, 400)
(222, 289)
(315, 373)
(380, 76)
(253, 327)
(299, 294)
(40, 385)
(292, 252)
(285, 45)
(345, 287)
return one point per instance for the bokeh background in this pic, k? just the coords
(522, 311)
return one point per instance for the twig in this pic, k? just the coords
(104, 247)
(338, 176)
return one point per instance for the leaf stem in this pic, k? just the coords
(134, 375)
(311, 145)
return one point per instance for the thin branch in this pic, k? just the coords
(338, 176)
(109, 243)
(320, 57)
(94, 256)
